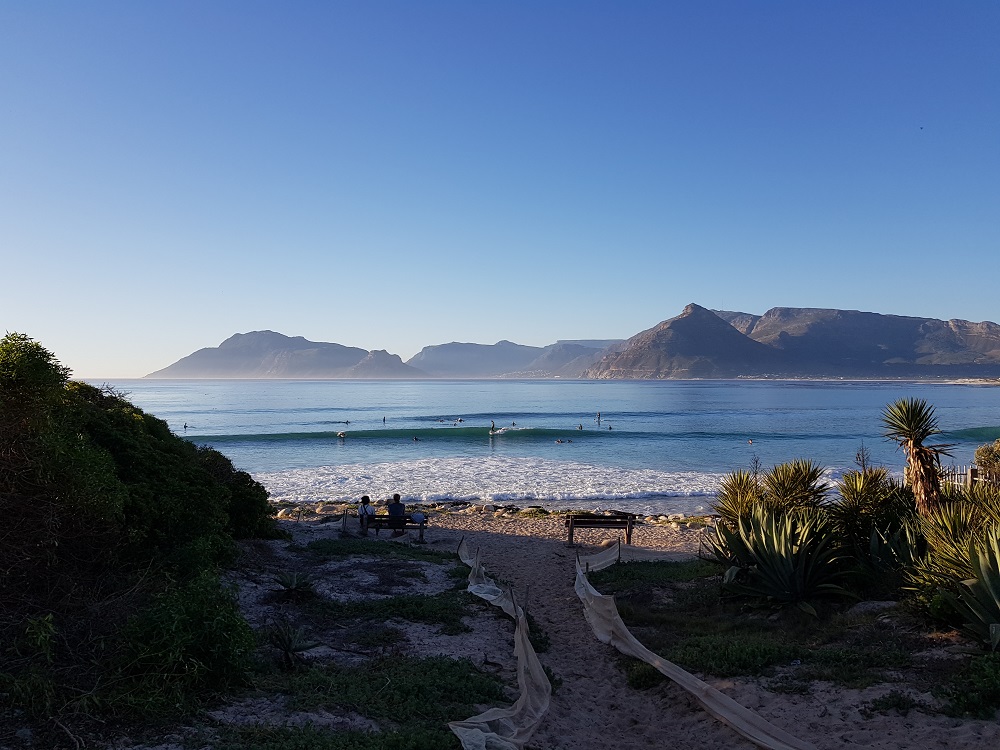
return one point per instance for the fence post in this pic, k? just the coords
(971, 476)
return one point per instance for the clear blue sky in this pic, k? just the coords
(392, 175)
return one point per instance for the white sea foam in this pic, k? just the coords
(520, 481)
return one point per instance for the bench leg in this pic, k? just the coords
(628, 533)
(420, 540)
(570, 542)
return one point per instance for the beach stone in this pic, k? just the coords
(864, 608)
(488, 508)
(675, 525)
(284, 513)
(676, 517)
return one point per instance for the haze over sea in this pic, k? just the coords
(660, 446)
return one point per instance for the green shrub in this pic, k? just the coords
(976, 691)
(190, 639)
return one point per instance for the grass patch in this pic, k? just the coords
(446, 609)
(676, 610)
(337, 549)
(401, 690)
(895, 701)
(312, 738)
(630, 575)
(975, 691)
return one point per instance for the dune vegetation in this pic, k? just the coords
(113, 534)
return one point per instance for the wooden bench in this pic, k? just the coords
(395, 523)
(619, 521)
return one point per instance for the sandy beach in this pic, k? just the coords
(593, 706)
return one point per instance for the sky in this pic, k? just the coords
(398, 174)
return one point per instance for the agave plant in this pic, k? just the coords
(295, 585)
(783, 557)
(291, 642)
(979, 599)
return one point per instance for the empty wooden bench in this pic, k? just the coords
(394, 523)
(622, 521)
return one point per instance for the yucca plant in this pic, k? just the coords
(787, 486)
(947, 532)
(739, 493)
(795, 484)
(978, 600)
(909, 422)
(783, 557)
(869, 501)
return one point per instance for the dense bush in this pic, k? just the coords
(108, 519)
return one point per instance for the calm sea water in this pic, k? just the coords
(659, 446)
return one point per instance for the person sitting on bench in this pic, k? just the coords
(365, 511)
(397, 515)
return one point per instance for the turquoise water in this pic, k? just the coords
(659, 446)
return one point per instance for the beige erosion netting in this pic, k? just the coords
(505, 728)
(602, 614)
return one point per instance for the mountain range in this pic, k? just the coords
(784, 342)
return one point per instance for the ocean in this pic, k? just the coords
(640, 446)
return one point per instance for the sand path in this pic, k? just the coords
(593, 707)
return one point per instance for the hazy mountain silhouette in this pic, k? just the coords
(805, 342)
(698, 343)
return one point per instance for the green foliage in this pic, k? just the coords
(291, 642)
(739, 493)
(910, 422)
(190, 639)
(102, 506)
(784, 558)
(988, 457)
(338, 549)
(406, 690)
(978, 600)
(869, 500)
(895, 701)
(629, 575)
(727, 655)
(788, 486)
(296, 585)
(320, 738)
(446, 609)
(976, 691)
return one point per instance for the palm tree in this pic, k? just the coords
(910, 421)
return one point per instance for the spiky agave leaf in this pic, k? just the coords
(795, 558)
(979, 599)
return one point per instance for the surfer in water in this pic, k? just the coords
(493, 426)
